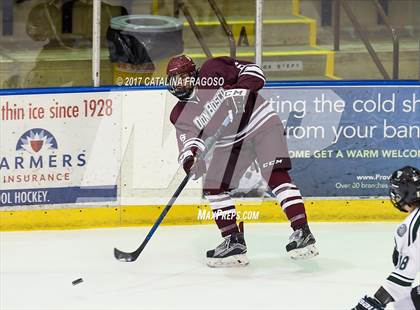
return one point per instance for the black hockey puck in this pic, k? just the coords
(75, 282)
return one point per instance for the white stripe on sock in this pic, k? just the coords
(288, 194)
(223, 229)
(221, 204)
(217, 197)
(291, 203)
(283, 185)
(297, 217)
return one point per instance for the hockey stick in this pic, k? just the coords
(132, 256)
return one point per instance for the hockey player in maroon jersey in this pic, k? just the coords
(227, 87)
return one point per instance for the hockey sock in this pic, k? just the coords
(224, 213)
(289, 197)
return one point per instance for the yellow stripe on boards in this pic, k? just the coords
(269, 212)
(59, 218)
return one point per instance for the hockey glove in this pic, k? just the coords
(369, 303)
(194, 167)
(415, 296)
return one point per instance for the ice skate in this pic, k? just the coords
(302, 244)
(231, 252)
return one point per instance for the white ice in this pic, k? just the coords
(37, 269)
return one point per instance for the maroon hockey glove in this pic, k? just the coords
(195, 167)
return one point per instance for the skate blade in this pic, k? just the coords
(304, 253)
(231, 261)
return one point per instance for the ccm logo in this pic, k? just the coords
(235, 92)
(272, 163)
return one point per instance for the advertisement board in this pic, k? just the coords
(346, 140)
(98, 145)
(59, 147)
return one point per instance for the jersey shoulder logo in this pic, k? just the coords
(402, 230)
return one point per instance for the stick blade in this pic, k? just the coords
(124, 257)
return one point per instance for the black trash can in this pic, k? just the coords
(140, 46)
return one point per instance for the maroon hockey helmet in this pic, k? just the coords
(181, 74)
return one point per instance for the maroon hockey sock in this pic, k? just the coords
(224, 213)
(289, 197)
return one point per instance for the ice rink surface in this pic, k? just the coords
(37, 269)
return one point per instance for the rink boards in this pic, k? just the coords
(84, 157)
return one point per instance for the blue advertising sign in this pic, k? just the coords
(346, 140)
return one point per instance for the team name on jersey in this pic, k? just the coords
(211, 107)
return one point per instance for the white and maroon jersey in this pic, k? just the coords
(203, 113)
(406, 257)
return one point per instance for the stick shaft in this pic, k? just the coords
(181, 186)
(164, 212)
(209, 144)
